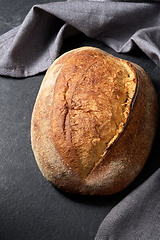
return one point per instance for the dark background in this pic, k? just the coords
(30, 207)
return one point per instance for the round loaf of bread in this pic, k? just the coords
(93, 122)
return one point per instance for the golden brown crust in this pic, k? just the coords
(93, 122)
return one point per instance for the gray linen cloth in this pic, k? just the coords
(31, 48)
(137, 216)
(34, 45)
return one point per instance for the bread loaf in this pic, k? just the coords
(93, 122)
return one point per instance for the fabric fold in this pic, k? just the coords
(36, 43)
(137, 216)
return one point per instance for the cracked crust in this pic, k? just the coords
(93, 122)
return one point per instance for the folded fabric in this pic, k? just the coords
(137, 216)
(35, 44)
